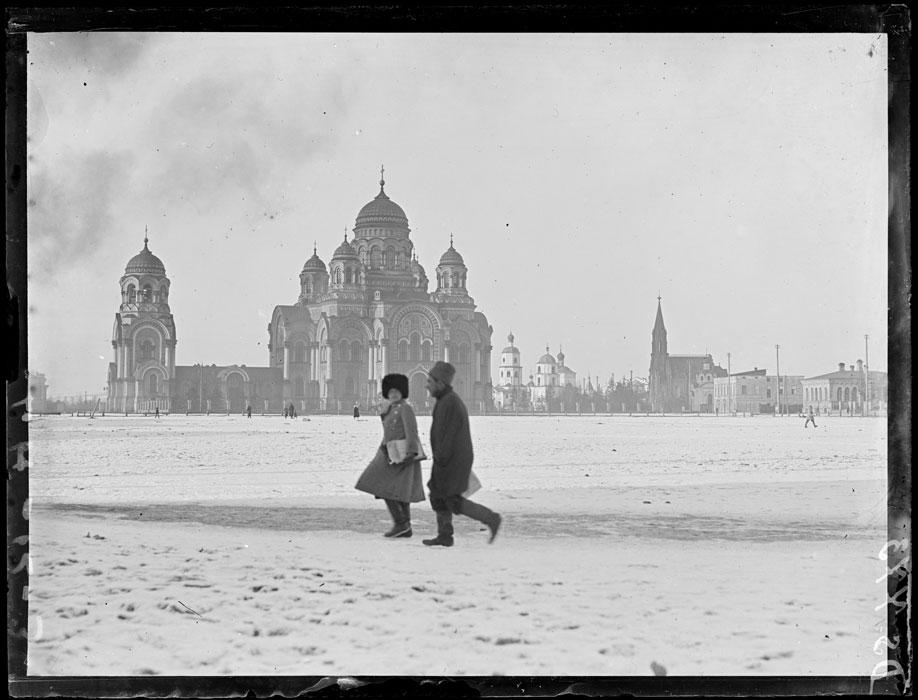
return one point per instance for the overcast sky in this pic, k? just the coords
(741, 177)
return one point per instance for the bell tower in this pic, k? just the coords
(140, 379)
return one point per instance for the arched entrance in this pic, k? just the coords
(235, 392)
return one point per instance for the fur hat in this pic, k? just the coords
(443, 371)
(395, 381)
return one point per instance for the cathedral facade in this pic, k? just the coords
(368, 313)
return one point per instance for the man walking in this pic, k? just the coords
(451, 445)
(810, 419)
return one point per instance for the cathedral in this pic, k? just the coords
(679, 382)
(366, 314)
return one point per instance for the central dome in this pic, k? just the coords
(382, 211)
(145, 263)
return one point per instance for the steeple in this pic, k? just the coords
(658, 343)
(658, 323)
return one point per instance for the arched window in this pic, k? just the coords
(131, 293)
(390, 257)
(344, 352)
(403, 351)
(839, 394)
(147, 292)
(375, 256)
(153, 386)
(356, 351)
(426, 351)
(147, 350)
(847, 394)
(414, 350)
(385, 258)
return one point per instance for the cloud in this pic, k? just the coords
(72, 205)
(230, 135)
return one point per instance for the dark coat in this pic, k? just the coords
(450, 447)
(403, 482)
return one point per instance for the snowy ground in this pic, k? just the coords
(221, 545)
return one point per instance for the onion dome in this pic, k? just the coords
(345, 250)
(547, 359)
(314, 264)
(510, 348)
(451, 256)
(382, 211)
(145, 263)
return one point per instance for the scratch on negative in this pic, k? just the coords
(187, 608)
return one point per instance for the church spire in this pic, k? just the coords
(658, 323)
(145, 237)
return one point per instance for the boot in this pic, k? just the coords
(444, 536)
(482, 514)
(401, 525)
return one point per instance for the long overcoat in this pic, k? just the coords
(450, 447)
(402, 482)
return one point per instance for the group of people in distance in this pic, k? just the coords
(399, 483)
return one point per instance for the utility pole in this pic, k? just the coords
(778, 377)
(866, 377)
(729, 387)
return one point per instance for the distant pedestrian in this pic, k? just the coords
(810, 419)
(394, 474)
(356, 410)
(285, 411)
(451, 449)
(156, 415)
(248, 411)
(292, 411)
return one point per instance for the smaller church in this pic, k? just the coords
(679, 383)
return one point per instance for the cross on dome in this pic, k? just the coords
(382, 178)
(144, 236)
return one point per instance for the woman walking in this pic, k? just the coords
(394, 475)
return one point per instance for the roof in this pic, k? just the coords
(846, 374)
(381, 211)
(750, 373)
(345, 250)
(451, 257)
(145, 263)
(314, 263)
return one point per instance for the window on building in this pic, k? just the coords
(426, 351)
(743, 391)
(768, 393)
(403, 351)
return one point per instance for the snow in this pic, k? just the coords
(223, 545)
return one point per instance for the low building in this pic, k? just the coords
(844, 390)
